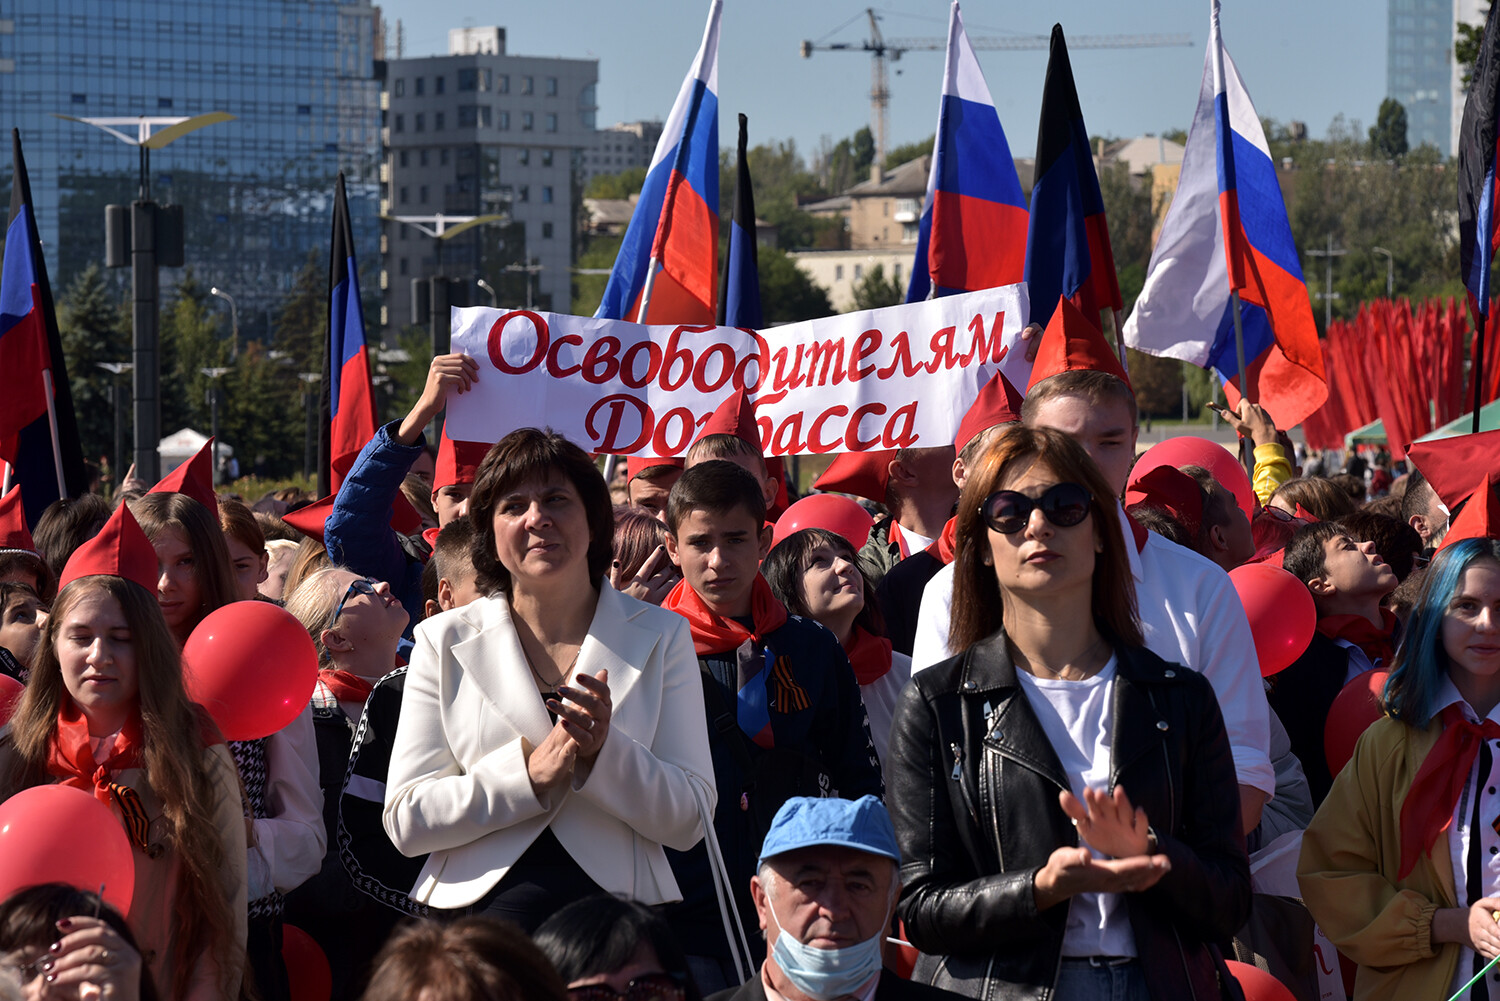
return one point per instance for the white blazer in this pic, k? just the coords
(458, 788)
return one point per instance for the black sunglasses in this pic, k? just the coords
(360, 585)
(1063, 504)
(650, 987)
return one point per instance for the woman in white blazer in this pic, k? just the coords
(552, 736)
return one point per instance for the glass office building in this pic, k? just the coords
(257, 193)
(1419, 69)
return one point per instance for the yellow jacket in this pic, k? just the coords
(1272, 469)
(1350, 856)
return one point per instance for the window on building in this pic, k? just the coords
(551, 121)
(403, 158)
(523, 193)
(405, 195)
(443, 156)
(474, 115)
(164, 103)
(546, 158)
(547, 194)
(528, 120)
(419, 123)
(437, 84)
(304, 109)
(909, 233)
(80, 98)
(416, 86)
(859, 271)
(468, 79)
(422, 194)
(528, 85)
(401, 87)
(437, 120)
(401, 266)
(422, 157)
(552, 86)
(502, 83)
(838, 272)
(546, 231)
(400, 125)
(523, 156)
(502, 121)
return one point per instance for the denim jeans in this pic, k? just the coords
(1081, 980)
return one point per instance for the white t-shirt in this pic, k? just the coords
(1078, 718)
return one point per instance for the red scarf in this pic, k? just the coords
(70, 756)
(346, 686)
(712, 632)
(1434, 793)
(945, 544)
(1378, 643)
(894, 536)
(869, 655)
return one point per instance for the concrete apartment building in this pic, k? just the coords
(620, 147)
(481, 131)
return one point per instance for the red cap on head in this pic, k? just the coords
(1452, 465)
(1171, 489)
(863, 474)
(1480, 517)
(121, 549)
(734, 416)
(1072, 344)
(309, 519)
(13, 531)
(997, 403)
(457, 461)
(635, 465)
(195, 478)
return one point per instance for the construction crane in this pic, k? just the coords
(881, 49)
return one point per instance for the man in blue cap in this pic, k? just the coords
(825, 891)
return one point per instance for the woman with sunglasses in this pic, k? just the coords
(356, 626)
(609, 949)
(1065, 800)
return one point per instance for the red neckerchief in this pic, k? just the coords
(712, 632)
(1138, 532)
(869, 655)
(896, 536)
(1378, 643)
(346, 686)
(1428, 809)
(943, 546)
(70, 756)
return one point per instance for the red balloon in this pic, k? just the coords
(1281, 613)
(1351, 714)
(307, 967)
(58, 834)
(252, 666)
(10, 697)
(837, 514)
(1257, 984)
(1187, 450)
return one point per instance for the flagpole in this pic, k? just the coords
(57, 465)
(651, 266)
(1120, 339)
(1247, 384)
(5, 481)
(1479, 323)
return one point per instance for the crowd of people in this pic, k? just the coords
(573, 738)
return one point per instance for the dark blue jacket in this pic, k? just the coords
(358, 532)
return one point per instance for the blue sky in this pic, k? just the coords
(1308, 60)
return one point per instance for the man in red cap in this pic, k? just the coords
(20, 562)
(732, 434)
(914, 486)
(649, 480)
(1190, 613)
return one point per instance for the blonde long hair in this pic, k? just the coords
(171, 755)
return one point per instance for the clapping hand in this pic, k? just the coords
(1108, 823)
(575, 739)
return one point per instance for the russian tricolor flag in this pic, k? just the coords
(38, 432)
(973, 229)
(350, 416)
(672, 244)
(1226, 231)
(1067, 245)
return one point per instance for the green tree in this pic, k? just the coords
(875, 290)
(1388, 134)
(908, 151)
(787, 294)
(848, 162)
(1127, 207)
(588, 290)
(621, 185)
(1466, 44)
(194, 336)
(94, 331)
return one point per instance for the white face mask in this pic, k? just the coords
(825, 974)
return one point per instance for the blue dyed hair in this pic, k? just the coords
(1421, 662)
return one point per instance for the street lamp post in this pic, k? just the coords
(144, 216)
(530, 269)
(234, 321)
(117, 399)
(1390, 270)
(309, 397)
(213, 409)
(442, 228)
(494, 299)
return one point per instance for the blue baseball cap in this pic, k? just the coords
(802, 822)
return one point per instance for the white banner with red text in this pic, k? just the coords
(898, 377)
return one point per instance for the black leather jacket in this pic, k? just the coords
(973, 788)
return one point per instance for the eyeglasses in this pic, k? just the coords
(651, 987)
(1063, 504)
(361, 585)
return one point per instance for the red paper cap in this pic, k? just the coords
(1171, 489)
(997, 403)
(195, 478)
(635, 465)
(309, 520)
(1480, 517)
(863, 474)
(1072, 344)
(735, 416)
(1452, 465)
(13, 531)
(121, 549)
(457, 461)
